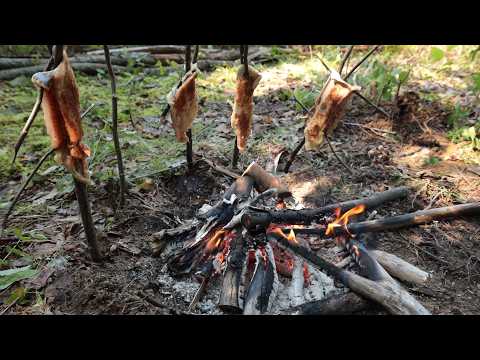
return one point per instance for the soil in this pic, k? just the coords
(132, 281)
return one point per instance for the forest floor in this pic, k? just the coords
(429, 148)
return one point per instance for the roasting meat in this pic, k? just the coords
(61, 109)
(329, 109)
(184, 105)
(241, 120)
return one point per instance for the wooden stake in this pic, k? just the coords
(116, 141)
(244, 61)
(345, 58)
(86, 214)
(188, 61)
(355, 67)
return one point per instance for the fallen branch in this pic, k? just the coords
(85, 68)
(144, 59)
(155, 49)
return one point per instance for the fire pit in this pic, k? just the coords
(264, 260)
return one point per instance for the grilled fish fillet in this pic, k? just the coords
(184, 105)
(241, 120)
(61, 109)
(329, 109)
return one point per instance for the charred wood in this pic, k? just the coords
(229, 296)
(254, 218)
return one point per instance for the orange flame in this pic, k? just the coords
(344, 219)
(216, 240)
(277, 230)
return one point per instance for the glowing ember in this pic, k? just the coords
(306, 275)
(281, 204)
(344, 219)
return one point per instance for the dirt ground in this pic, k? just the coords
(382, 153)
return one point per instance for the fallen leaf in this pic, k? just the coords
(11, 276)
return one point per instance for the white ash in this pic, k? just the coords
(292, 292)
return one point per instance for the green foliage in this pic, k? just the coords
(458, 114)
(436, 54)
(432, 160)
(306, 97)
(476, 82)
(11, 276)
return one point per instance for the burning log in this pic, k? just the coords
(265, 181)
(229, 296)
(416, 218)
(343, 304)
(329, 109)
(379, 286)
(253, 218)
(259, 293)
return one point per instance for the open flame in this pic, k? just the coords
(219, 238)
(275, 229)
(344, 219)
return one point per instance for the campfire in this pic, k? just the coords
(266, 262)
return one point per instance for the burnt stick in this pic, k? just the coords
(254, 218)
(229, 295)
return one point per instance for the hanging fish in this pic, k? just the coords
(184, 104)
(329, 109)
(61, 109)
(241, 120)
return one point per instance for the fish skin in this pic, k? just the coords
(241, 120)
(184, 107)
(329, 109)
(62, 118)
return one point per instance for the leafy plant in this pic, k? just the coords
(432, 160)
(436, 54)
(306, 97)
(11, 276)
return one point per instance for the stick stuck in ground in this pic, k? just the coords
(116, 140)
